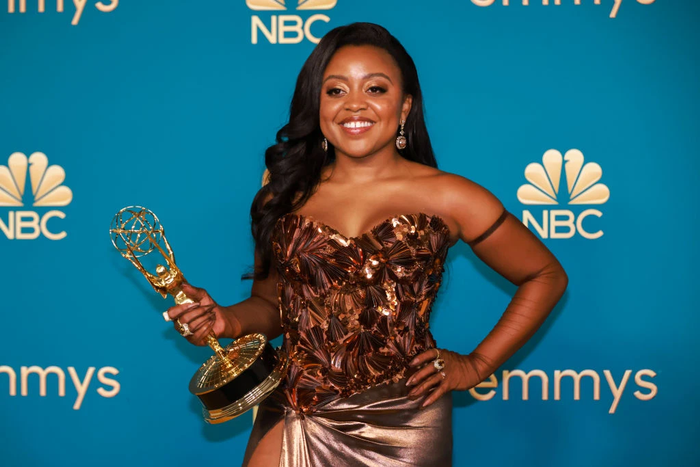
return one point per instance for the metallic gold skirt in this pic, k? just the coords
(379, 427)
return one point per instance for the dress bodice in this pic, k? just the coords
(355, 310)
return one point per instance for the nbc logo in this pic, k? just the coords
(582, 188)
(287, 29)
(47, 191)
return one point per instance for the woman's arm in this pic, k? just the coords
(516, 254)
(501, 241)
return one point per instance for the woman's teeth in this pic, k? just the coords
(357, 124)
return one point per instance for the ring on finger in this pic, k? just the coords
(185, 330)
(439, 364)
(182, 329)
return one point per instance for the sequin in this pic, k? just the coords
(355, 310)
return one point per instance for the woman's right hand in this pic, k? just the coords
(203, 316)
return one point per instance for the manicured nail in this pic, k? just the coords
(413, 362)
(166, 317)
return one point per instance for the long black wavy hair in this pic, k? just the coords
(296, 160)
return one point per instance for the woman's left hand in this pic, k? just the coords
(459, 375)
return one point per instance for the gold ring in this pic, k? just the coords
(185, 330)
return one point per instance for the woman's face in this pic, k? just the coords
(361, 101)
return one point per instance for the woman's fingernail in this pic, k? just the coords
(409, 382)
(166, 317)
(413, 362)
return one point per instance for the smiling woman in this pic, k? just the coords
(352, 232)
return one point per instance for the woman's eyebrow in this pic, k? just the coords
(370, 75)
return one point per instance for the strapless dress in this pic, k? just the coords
(354, 312)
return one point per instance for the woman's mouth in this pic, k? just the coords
(356, 127)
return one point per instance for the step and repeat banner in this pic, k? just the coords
(580, 115)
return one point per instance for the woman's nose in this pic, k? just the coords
(355, 101)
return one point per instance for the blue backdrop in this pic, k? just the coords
(171, 105)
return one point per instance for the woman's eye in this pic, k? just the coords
(371, 90)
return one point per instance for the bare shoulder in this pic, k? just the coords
(469, 207)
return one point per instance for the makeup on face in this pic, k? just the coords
(361, 100)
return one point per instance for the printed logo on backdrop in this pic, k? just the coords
(545, 188)
(616, 4)
(287, 29)
(44, 187)
(20, 6)
(30, 386)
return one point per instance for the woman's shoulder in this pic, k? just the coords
(464, 203)
(441, 181)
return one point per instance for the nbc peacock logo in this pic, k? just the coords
(545, 188)
(287, 29)
(47, 190)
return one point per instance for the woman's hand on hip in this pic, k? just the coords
(458, 375)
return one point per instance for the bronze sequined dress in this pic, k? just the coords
(355, 311)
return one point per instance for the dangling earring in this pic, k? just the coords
(324, 144)
(401, 139)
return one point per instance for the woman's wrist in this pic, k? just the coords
(233, 327)
(475, 369)
(253, 315)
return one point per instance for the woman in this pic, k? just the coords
(352, 231)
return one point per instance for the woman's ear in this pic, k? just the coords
(406, 108)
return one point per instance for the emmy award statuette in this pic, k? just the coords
(238, 376)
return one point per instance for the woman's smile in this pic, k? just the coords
(356, 125)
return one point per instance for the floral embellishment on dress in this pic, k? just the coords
(355, 310)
